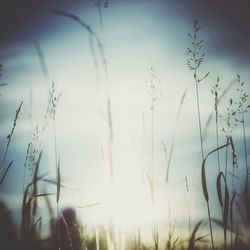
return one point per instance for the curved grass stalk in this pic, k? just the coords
(205, 190)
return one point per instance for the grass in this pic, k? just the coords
(215, 91)
(67, 232)
(242, 110)
(4, 170)
(194, 62)
(169, 159)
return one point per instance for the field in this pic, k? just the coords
(124, 125)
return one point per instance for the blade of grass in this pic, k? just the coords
(32, 231)
(218, 186)
(204, 187)
(89, 30)
(231, 215)
(34, 191)
(41, 58)
(58, 182)
(192, 238)
(175, 130)
(5, 173)
(9, 137)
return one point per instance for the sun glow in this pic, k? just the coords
(131, 202)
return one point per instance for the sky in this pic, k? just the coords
(38, 47)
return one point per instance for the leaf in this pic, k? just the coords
(225, 210)
(220, 223)
(224, 205)
(203, 173)
(201, 41)
(54, 182)
(218, 186)
(201, 237)
(203, 181)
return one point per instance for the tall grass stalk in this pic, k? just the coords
(231, 217)
(174, 136)
(100, 4)
(171, 242)
(215, 91)
(152, 144)
(154, 96)
(154, 83)
(228, 130)
(1, 69)
(9, 137)
(58, 179)
(32, 154)
(155, 236)
(97, 238)
(224, 204)
(143, 148)
(189, 216)
(41, 58)
(195, 60)
(57, 163)
(110, 140)
(25, 165)
(54, 98)
(29, 206)
(3, 170)
(242, 109)
(234, 160)
(220, 99)
(5, 173)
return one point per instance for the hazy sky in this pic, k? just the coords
(136, 36)
(226, 20)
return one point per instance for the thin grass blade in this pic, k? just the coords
(58, 189)
(5, 173)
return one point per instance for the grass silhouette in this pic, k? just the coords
(67, 231)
